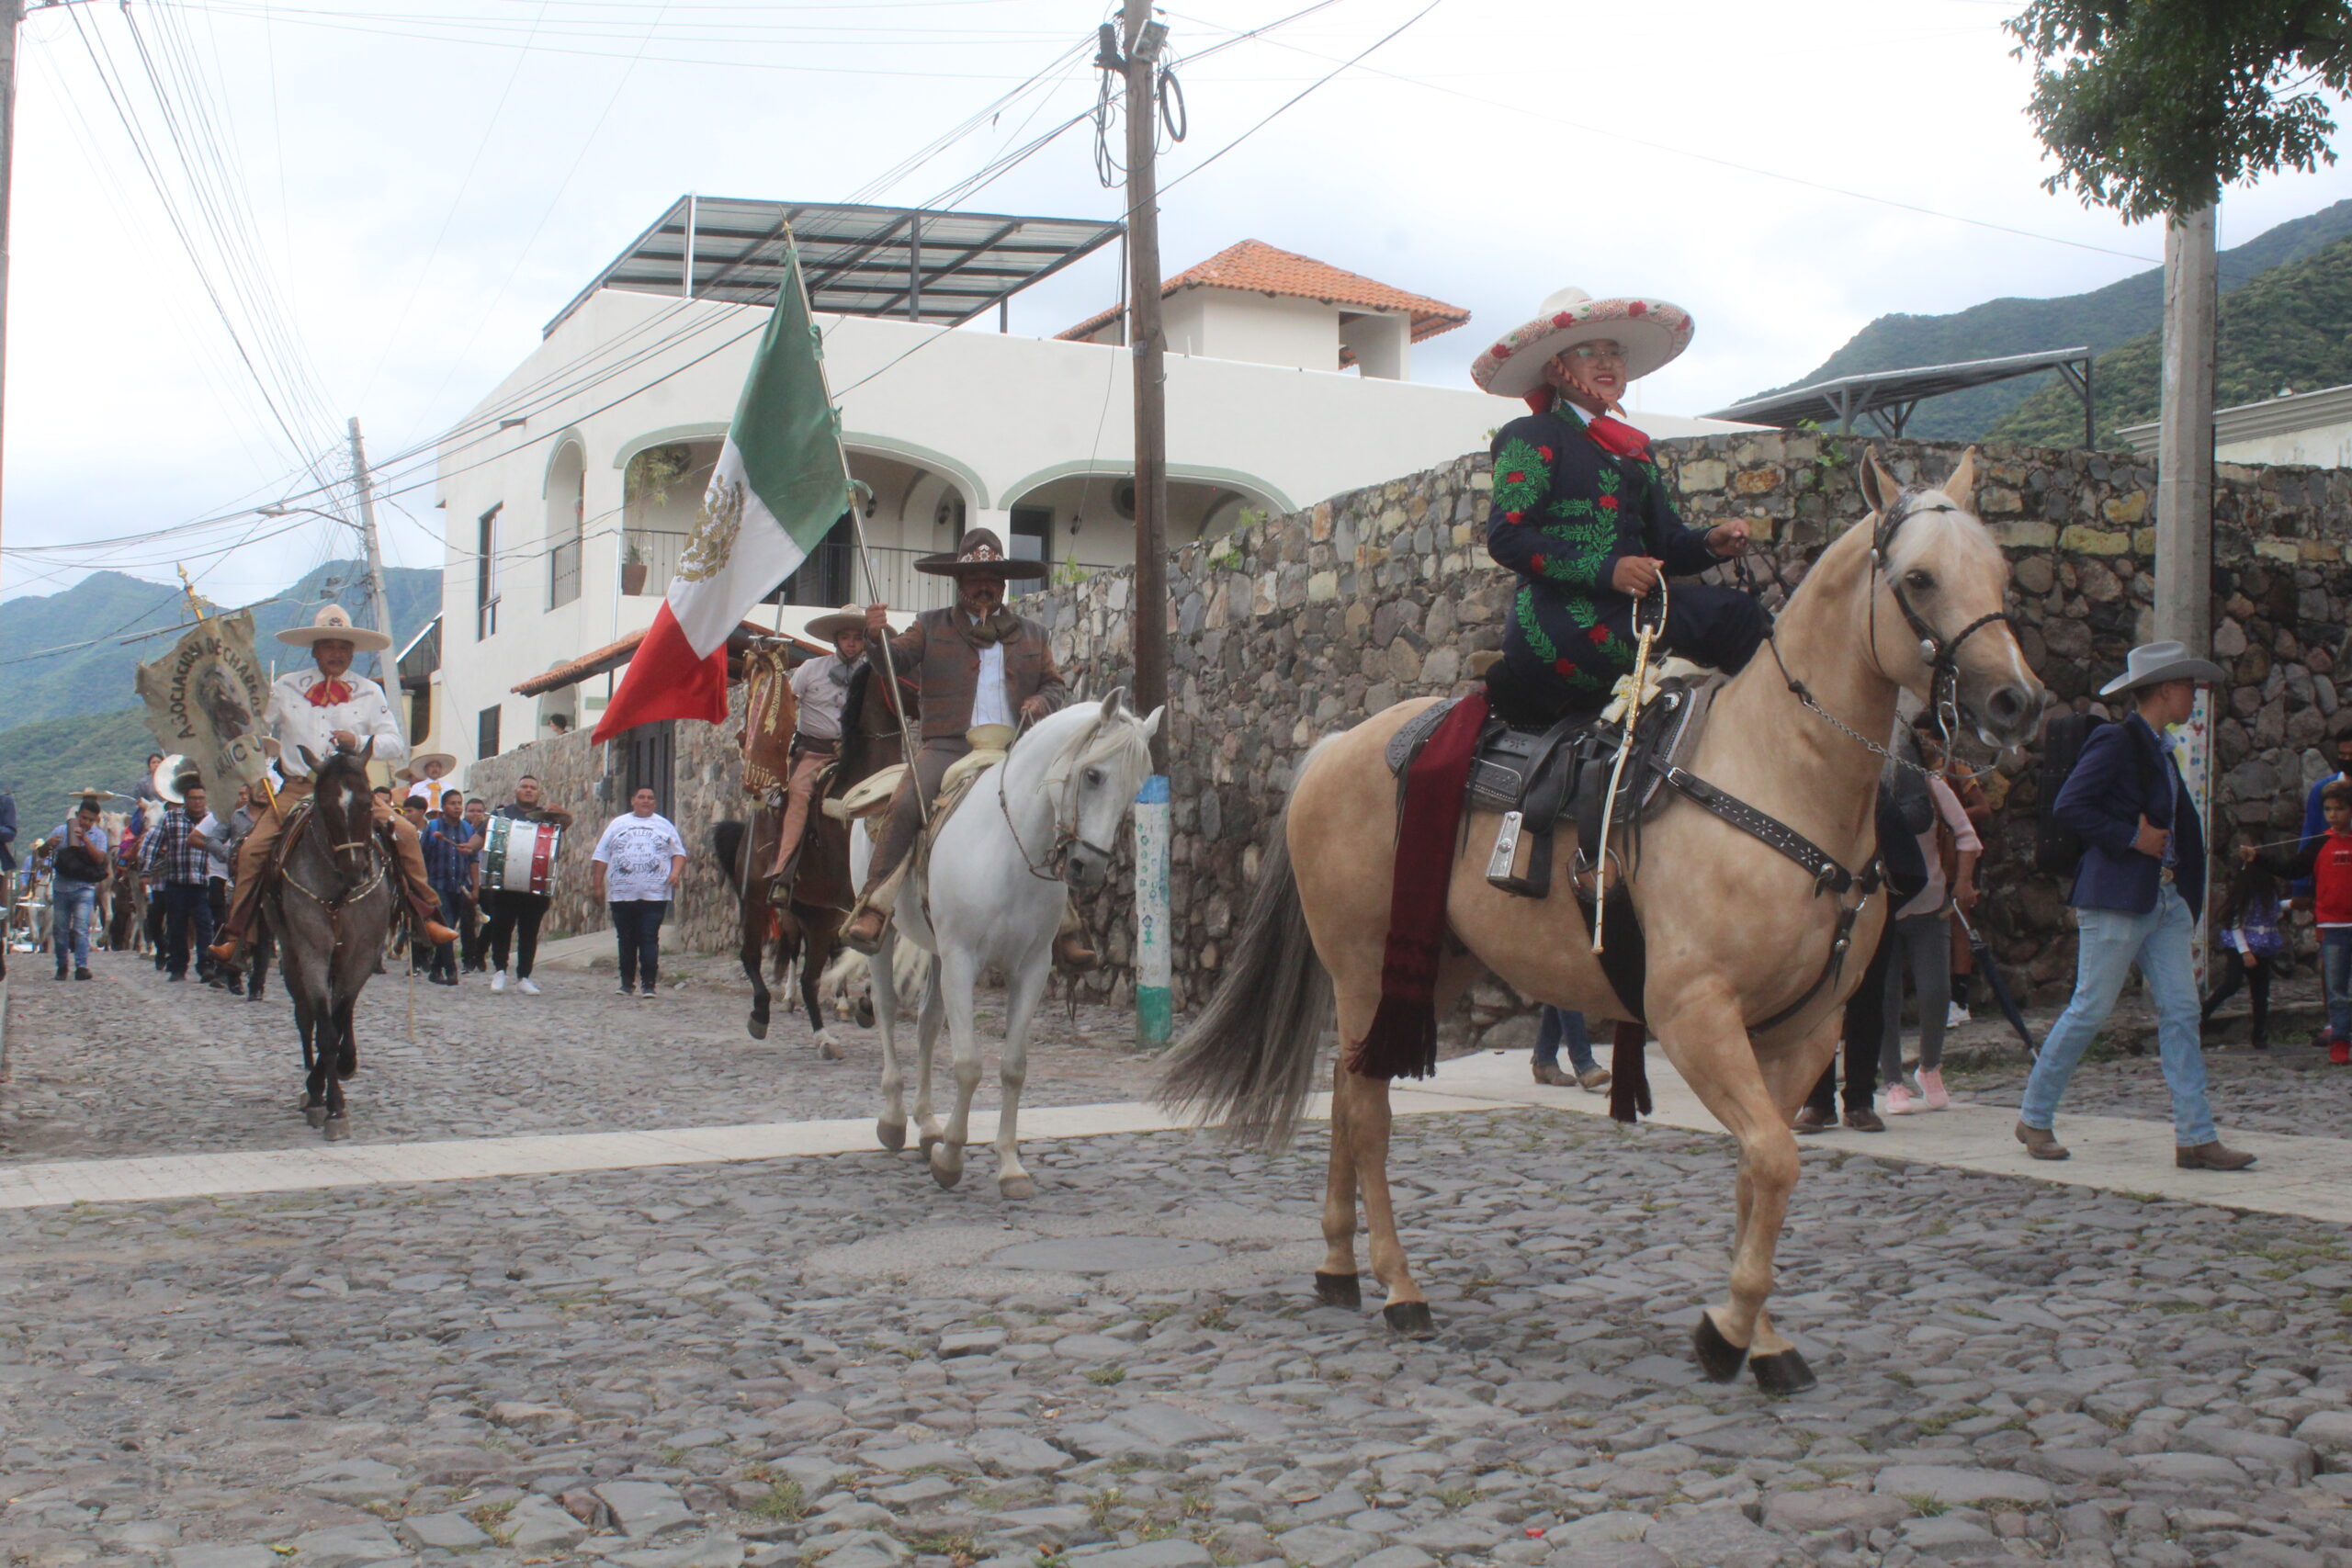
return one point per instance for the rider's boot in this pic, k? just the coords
(880, 895)
(408, 852)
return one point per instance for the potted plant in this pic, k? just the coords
(633, 569)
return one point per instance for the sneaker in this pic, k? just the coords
(2340, 1053)
(498, 981)
(623, 991)
(1899, 1102)
(1955, 1015)
(529, 987)
(1931, 1090)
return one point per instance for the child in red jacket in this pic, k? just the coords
(2327, 861)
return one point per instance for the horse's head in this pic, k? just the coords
(1096, 779)
(1938, 627)
(345, 802)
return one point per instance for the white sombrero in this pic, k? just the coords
(1652, 333)
(848, 618)
(332, 625)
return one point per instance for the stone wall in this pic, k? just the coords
(706, 771)
(1302, 624)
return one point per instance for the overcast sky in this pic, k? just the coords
(411, 192)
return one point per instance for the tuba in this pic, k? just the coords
(172, 777)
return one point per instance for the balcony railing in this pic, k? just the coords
(564, 573)
(832, 575)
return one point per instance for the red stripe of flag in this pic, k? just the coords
(666, 681)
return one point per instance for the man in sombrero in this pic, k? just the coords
(974, 663)
(324, 709)
(1581, 515)
(820, 696)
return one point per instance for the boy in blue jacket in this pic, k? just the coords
(2141, 881)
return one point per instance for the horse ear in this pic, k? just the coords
(1960, 489)
(1115, 704)
(1879, 488)
(1151, 725)
(310, 762)
(367, 751)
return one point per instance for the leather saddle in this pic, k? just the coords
(1535, 779)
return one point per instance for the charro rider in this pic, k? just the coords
(1582, 516)
(321, 710)
(821, 692)
(974, 663)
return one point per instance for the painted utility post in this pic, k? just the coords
(2184, 492)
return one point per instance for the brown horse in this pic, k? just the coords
(805, 926)
(1737, 931)
(330, 906)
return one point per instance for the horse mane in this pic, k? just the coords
(1098, 740)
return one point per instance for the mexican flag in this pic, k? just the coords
(780, 486)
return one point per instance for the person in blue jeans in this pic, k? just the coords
(76, 877)
(2141, 878)
(1558, 1025)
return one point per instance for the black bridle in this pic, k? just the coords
(1941, 653)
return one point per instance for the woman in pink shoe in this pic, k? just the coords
(1923, 944)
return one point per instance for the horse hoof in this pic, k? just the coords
(338, 1128)
(1719, 1359)
(758, 1027)
(1410, 1319)
(1015, 1188)
(828, 1048)
(1782, 1374)
(1339, 1290)
(930, 1141)
(893, 1135)
(943, 1172)
(316, 1115)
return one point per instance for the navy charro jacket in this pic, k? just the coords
(2126, 773)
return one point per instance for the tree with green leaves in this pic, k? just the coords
(2152, 107)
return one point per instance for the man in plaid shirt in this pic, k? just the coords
(175, 853)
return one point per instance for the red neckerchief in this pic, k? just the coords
(1618, 439)
(327, 694)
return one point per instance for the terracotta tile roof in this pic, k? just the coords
(1258, 267)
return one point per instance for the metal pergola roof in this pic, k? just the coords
(921, 265)
(1888, 396)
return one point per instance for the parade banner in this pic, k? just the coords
(206, 698)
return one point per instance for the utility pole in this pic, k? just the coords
(364, 483)
(2185, 437)
(12, 16)
(1143, 41)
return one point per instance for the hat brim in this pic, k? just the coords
(2178, 670)
(1653, 331)
(361, 639)
(416, 763)
(826, 628)
(1008, 566)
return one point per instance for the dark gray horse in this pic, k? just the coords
(330, 907)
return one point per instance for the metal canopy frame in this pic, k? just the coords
(917, 264)
(1888, 398)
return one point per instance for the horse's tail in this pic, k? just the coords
(726, 845)
(1248, 1061)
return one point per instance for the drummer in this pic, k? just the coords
(515, 913)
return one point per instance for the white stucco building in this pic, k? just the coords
(570, 489)
(2313, 428)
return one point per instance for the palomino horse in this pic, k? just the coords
(1736, 930)
(807, 927)
(330, 905)
(992, 896)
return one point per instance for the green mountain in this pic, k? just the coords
(2101, 320)
(63, 653)
(2291, 328)
(44, 762)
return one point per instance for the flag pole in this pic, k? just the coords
(195, 607)
(858, 491)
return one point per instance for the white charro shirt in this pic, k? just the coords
(296, 722)
(821, 688)
(989, 705)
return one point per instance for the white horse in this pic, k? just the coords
(1037, 825)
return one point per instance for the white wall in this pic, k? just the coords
(2322, 446)
(987, 417)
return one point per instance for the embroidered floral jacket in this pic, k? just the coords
(1565, 512)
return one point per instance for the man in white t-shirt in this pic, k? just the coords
(636, 868)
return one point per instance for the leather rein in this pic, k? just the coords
(332, 905)
(1066, 832)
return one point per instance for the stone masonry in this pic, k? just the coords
(1298, 625)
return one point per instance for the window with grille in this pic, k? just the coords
(486, 573)
(486, 733)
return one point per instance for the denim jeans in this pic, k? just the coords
(637, 924)
(71, 907)
(187, 924)
(1556, 1025)
(2336, 961)
(2112, 943)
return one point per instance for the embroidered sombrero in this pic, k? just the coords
(980, 553)
(1651, 331)
(331, 624)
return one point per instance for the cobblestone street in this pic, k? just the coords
(828, 1359)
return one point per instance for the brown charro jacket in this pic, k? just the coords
(945, 664)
